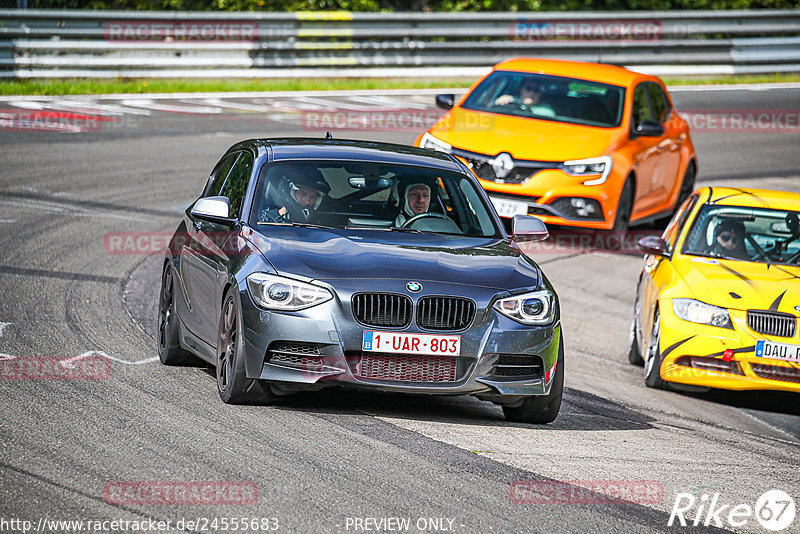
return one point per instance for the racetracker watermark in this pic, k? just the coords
(587, 30)
(742, 120)
(586, 241)
(392, 120)
(181, 493)
(147, 243)
(22, 120)
(774, 510)
(52, 368)
(189, 30)
(585, 491)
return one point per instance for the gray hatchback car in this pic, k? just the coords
(310, 263)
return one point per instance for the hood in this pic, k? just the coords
(533, 139)
(758, 285)
(331, 254)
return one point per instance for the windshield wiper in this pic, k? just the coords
(408, 230)
(298, 224)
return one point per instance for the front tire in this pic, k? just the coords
(622, 217)
(653, 358)
(634, 356)
(541, 409)
(232, 383)
(170, 351)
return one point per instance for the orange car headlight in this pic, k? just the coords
(589, 167)
(432, 143)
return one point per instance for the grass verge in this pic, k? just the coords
(109, 86)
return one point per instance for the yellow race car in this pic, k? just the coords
(718, 299)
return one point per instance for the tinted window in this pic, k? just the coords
(641, 110)
(750, 234)
(675, 226)
(552, 98)
(371, 196)
(658, 101)
(218, 175)
(235, 185)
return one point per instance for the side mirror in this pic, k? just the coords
(528, 228)
(445, 101)
(653, 245)
(214, 209)
(649, 128)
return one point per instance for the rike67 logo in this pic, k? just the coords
(774, 510)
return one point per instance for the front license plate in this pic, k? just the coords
(399, 343)
(509, 208)
(778, 351)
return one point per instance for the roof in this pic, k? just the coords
(597, 72)
(753, 198)
(355, 150)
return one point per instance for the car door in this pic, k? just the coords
(646, 151)
(215, 245)
(669, 153)
(658, 270)
(197, 264)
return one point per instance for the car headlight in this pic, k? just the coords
(588, 167)
(695, 311)
(278, 293)
(430, 142)
(534, 308)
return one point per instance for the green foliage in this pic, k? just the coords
(413, 5)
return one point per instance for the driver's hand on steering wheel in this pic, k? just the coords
(502, 100)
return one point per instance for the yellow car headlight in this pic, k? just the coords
(699, 312)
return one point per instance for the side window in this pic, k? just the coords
(659, 102)
(218, 175)
(641, 110)
(677, 223)
(235, 185)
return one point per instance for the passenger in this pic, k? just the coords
(729, 238)
(414, 200)
(529, 97)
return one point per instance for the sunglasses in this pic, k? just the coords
(532, 88)
(729, 237)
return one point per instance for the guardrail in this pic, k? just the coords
(60, 43)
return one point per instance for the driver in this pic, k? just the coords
(301, 195)
(729, 240)
(415, 200)
(529, 97)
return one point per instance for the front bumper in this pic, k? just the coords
(693, 354)
(545, 191)
(332, 340)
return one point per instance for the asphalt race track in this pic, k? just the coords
(322, 462)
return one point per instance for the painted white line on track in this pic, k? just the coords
(147, 103)
(3, 355)
(95, 108)
(218, 102)
(69, 361)
(357, 92)
(70, 210)
(387, 103)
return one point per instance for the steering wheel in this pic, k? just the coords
(425, 215)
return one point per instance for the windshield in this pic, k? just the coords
(345, 194)
(750, 234)
(550, 98)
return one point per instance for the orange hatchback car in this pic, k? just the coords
(576, 144)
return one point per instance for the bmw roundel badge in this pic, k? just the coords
(413, 286)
